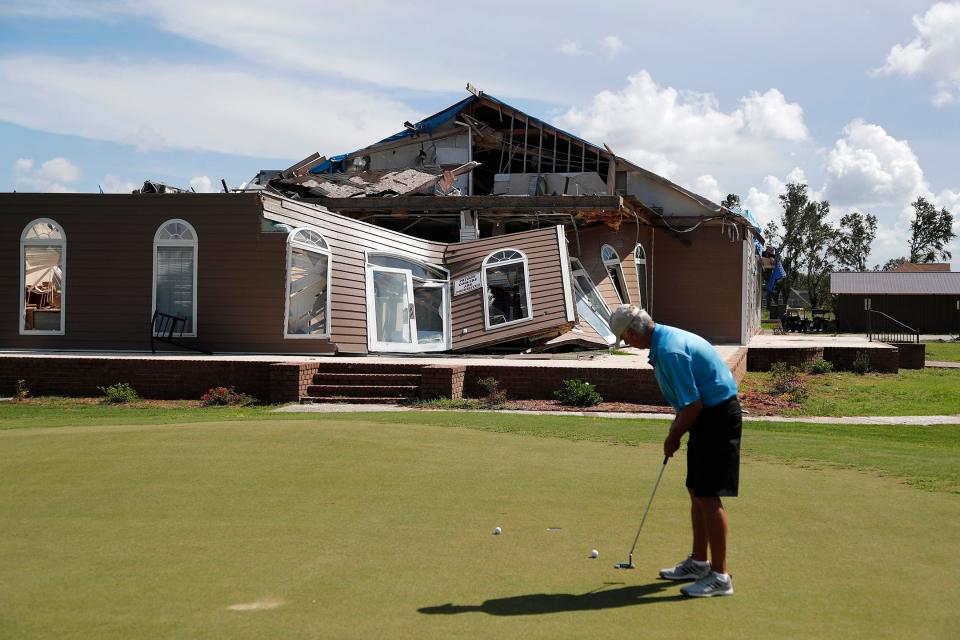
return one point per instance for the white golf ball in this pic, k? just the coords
(497, 531)
(594, 554)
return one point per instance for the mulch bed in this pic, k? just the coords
(765, 404)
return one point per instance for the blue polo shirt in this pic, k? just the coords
(688, 368)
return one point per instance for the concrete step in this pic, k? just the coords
(365, 391)
(367, 367)
(348, 400)
(367, 379)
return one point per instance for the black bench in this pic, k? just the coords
(168, 328)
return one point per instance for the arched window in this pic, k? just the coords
(308, 285)
(506, 288)
(640, 260)
(611, 262)
(43, 254)
(175, 273)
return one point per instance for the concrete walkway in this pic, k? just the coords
(368, 408)
(940, 364)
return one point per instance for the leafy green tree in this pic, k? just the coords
(854, 238)
(892, 264)
(732, 201)
(793, 202)
(930, 232)
(819, 239)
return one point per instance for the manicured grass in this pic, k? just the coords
(920, 392)
(943, 351)
(360, 526)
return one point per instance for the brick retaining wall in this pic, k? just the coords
(884, 360)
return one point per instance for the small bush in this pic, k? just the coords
(223, 396)
(119, 393)
(20, 392)
(578, 393)
(788, 381)
(821, 366)
(494, 396)
(861, 364)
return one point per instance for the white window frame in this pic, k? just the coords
(157, 242)
(372, 342)
(291, 244)
(637, 261)
(526, 281)
(618, 267)
(39, 242)
(577, 269)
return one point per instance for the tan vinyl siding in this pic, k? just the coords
(349, 240)
(547, 297)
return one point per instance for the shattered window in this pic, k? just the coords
(42, 249)
(507, 289)
(175, 272)
(611, 261)
(590, 306)
(308, 285)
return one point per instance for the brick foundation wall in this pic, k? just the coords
(525, 383)
(442, 381)
(913, 355)
(152, 378)
(882, 360)
(289, 380)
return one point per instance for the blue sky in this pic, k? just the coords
(859, 99)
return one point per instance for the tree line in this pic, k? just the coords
(811, 247)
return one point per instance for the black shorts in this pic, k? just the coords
(713, 452)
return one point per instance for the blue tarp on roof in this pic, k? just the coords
(333, 164)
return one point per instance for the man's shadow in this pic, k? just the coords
(540, 603)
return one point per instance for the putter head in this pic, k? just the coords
(625, 565)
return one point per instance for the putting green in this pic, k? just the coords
(336, 529)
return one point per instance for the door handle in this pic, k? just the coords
(412, 312)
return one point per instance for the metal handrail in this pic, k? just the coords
(914, 334)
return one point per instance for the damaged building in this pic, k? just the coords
(477, 228)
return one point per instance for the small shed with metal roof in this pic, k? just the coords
(928, 301)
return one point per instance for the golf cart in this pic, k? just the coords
(819, 323)
(794, 320)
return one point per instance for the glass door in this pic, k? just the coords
(393, 325)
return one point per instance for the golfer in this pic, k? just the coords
(698, 384)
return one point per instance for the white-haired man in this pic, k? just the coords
(698, 384)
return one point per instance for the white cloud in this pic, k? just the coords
(708, 187)
(113, 184)
(613, 45)
(769, 115)
(763, 202)
(679, 130)
(868, 166)
(54, 175)
(934, 52)
(202, 184)
(571, 48)
(227, 111)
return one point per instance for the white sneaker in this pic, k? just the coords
(714, 584)
(689, 569)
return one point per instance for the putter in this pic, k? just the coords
(629, 563)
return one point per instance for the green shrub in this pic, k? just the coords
(788, 381)
(821, 366)
(578, 393)
(119, 393)
(493, 396)
(459, 404)
(861, 364)
(223, 396)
